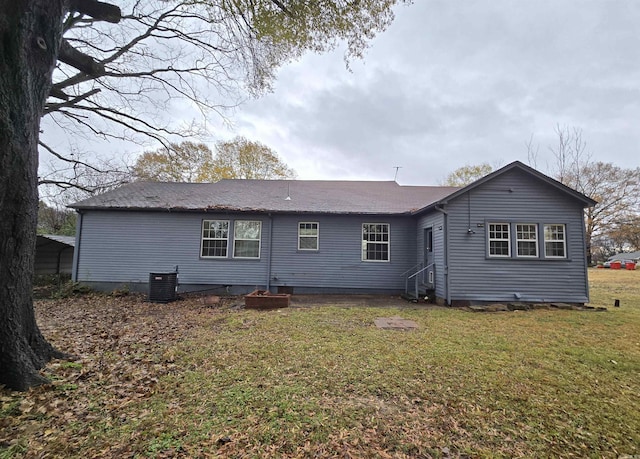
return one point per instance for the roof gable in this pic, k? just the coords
(586, 201)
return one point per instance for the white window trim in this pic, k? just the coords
(202, 239)
(490, 239)
(243, 239)
(535, 226)
(364, 243)
(317, 236)
(563, 240)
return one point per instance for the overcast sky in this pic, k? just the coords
(452, 83)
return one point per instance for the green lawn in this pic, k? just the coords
(183, 380)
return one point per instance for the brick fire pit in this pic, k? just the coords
(263, 299)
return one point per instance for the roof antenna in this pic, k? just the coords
(396, 176)
(288, 198)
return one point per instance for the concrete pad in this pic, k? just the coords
(395, 323)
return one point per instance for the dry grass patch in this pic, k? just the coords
(183, 380)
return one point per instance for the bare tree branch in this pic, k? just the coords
(75, 162)
(124, 82)
(71, 102)
(58, 94)
(71, 56)
(65, 184)
(280, 5)
(97, 10)
(616, 190)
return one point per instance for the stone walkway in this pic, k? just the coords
(395, 323)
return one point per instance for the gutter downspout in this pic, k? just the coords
(447, 283)
(76, 251)
(268, 283)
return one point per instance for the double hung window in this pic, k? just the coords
(246, 239)
(215, 238)
(531, 240)
(499, 240)
(555, 243)
(308, 235)
(375, 242)
(527, 240)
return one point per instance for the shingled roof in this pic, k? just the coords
(296, 196)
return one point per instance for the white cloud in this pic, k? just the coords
(454, 83)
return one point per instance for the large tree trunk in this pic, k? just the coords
(30, 34)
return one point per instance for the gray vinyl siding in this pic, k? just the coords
(124, 247)
(338, 265)
(436, 221)
(515, 197)
(53, 258)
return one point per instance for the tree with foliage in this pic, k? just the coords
(114, 81)
(184, 162)
(241, 158)
(467, 174)
(616, 190)
(193, 162)
(53, 220)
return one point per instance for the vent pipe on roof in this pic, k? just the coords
(288, 198)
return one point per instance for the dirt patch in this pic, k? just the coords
(346, 301)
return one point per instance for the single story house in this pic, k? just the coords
(514, 235)
(54, 254)
(632, 256)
